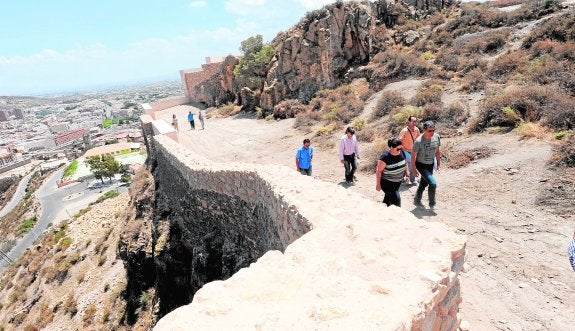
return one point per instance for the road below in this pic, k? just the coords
(56, 204)
(18, 195)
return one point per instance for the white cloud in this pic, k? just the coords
(314, 4)
(244, 7)
(197, 4)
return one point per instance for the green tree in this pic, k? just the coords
(251, 71)
(104, 166)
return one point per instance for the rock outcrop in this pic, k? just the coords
(327, 47)
(318, 52)
(219, 87)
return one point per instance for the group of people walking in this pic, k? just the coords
(412, 154)
(201, 116)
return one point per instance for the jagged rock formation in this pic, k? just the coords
(220, 87)
(322, 51)
(318, 52)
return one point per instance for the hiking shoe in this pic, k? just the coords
(417, 203)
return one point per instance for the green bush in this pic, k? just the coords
(71, 169)
(27, 225)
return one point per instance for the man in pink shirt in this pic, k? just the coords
(348, 154)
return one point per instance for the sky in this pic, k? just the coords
(67, 46)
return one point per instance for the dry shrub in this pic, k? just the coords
(432, 111)
(454, 115)
(46, 316)
(70, 305)
(447, 59)
(89, 314)
(229, 109)
(560, 28)
(388, 101)
(288, 109)
(392, 64)
(429, 92)
(508, 64)
(531, 104)
(564, 153)
(532, 130)
(371, 154)
(489, 42)
(546, 70)
(361, 89)
(558, 50)
(474, 81)
(487, 15)
(334, 107)
(307, 118)
(462, 159)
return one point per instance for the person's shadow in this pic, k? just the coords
(420, 212)
(345, 184)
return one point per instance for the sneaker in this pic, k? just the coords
(432, 207)
(417, 203)
(354, 179)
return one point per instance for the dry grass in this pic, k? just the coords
(474, 81)
(288, 109)
(530, 104)
(372, 153)
(89, 314)
(464, 158)
(558, 28)
(391, 65)
(564, 153)
(331, 109)
(388, 101)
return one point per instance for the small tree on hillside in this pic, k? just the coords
(104, 166)
(251, 71)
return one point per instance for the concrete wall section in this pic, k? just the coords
(326, 257)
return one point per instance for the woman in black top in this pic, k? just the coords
(391, 170)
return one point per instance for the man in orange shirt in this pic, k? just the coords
(408, 136)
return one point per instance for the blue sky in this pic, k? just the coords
(64, 45)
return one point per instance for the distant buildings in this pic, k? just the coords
(59, 128)
(113, 149)
(70, 136)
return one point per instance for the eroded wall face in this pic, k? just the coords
(211, 235)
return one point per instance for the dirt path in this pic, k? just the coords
(518, 276)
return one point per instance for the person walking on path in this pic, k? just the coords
(175, 122)
(391, 169)
(571, 252)
(348, 154)
(303, 157)
(191, 120)
(201, 116)
(407, 137)
(425, 152)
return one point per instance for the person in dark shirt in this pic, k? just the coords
(391, 170)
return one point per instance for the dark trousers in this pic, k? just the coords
(350, 166)
(192, 125)
(427, 179)
(391, 192)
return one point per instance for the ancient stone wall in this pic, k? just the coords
(193, 78)
(293, 252)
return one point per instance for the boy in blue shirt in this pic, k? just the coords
(303, 158)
